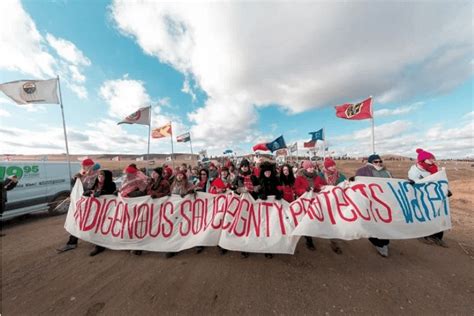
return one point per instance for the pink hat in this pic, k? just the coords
(423, 155)
(87, 162)
(328, 162)
(307, 164)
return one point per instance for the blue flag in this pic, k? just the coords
(318, 135)
(278, 143)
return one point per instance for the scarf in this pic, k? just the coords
(430, 168)
(331, 177)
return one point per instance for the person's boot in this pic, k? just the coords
(222, 250)
(268, 255)
(335, 247)
(136, 252)
(170, 255)
(439, 242)
(96, 251)
(383, 251)
(199, 249)
(244, 255)
(309, 243)
(66, 247)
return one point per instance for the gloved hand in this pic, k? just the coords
(316, 190)
(308, 189)
(450, 193)
(115, 193)
(182, 195)
(352, 178)
(263, 197)
(256, 188)
(278, 197)
(96, 194)
(411, 181)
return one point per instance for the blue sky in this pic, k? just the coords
(236, 74)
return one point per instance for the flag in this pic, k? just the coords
(183, 138)
(293, 147)
(227, 151)
(141, 116)
(359, 111)
(32, 91)
(310, 144)
(161, 132)
(318, 135)
(278, 143)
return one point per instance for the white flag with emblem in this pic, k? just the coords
(32, 91)
(141, 116)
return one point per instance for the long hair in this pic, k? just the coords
(287, 180)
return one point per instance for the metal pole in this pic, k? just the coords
(172, 150)
(191, 144)
(373, 125)
(149, 134)
(64, 128)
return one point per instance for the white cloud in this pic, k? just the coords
(25, 50)
(301, 55)
(68, 51)
(4, 113)
(124, 96)
(398, 111)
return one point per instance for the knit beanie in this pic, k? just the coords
(423, 155)
(328, 162)
(87, 162)
(131, 169)
(373, 157)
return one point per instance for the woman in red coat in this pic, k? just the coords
(308, 180)
(287, 182)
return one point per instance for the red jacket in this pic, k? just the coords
(288, 192)
(301, 184)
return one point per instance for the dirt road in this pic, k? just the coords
(416, 279)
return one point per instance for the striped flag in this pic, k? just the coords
(183, 138)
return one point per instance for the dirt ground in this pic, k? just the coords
(416, 279)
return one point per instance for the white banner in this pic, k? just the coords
(367, 207)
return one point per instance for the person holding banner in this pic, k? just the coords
(332, 176)
(425, 166)
(181, 186)
(268, 182)
(222, 183)
(246, 182)
(204, 183)
(135, 182)
(158, 186)
(287, 182)
(308, 180)
(88, 177)
(375, 168)
(103, 185)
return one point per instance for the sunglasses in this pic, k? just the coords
(377, 161)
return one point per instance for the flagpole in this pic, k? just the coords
(373, 128)
(149, 133)
(191, 144)
(172, 150)
(64, 129)
(324, 143)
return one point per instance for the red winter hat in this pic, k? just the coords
(131, 169)
(423, 155)
(87, 162)
(328, 162)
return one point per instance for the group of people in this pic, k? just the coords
(260, 181)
